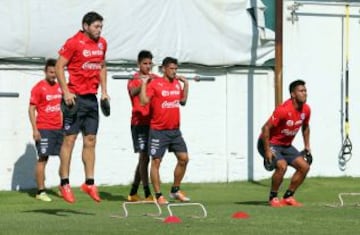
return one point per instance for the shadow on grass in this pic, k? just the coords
(253, 203)
(259, 183)
(58, 212)
(55, 193)
(111, 197)
(32, 192)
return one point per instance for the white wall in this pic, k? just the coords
(313, 51)
(216, 123)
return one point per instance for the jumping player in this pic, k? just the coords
(84, 56)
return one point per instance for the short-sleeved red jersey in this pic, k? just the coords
(46, 98)
(139, 114)
(86, 59)
(287, 121)
(165, 101)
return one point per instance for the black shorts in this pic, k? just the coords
(140, 137)
(160, 141)
(288, 153)
(50, 142)
(86, 118)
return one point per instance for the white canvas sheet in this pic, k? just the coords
(207, 32)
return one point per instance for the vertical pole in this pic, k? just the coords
(278, 52)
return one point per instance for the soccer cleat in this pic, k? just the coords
(92, 191)
(290, 201)
(179, 195)
(67, 193)
(149, 199)
(43, 197)
(162, 201)
(275, 202)
(134, 198)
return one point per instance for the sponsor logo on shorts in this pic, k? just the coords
(155, 140)
(154, 146)
(142, 146)
(153, 151)
(43, 150)
(67, 126)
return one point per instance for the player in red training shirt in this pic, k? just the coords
(140, 124)
(165, 95)
(275, 143)
(84, 56)
(46, 122)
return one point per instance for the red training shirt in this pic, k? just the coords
(164, 106)
(287, 121)
(86, 58)
(140, 113)
(47, 100)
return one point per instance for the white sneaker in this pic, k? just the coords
(179, 195)
(43, 197)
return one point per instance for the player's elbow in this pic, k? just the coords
(144, 101)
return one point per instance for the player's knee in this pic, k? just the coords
(281, 168)
(305, 168)
(183, 160)
(69, 141)
(89, 141)
(302, 166)
(155, 163)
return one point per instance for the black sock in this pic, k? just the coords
(89, 181)
(157, 195)
(134, 189)
(272, 195)
(174, 189)
(40, 191)
(147, 191)
(64, 181)
(288, 193)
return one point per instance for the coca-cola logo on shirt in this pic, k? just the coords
(288, 132)
(91, 66)
(52, 108)
(170, 104)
